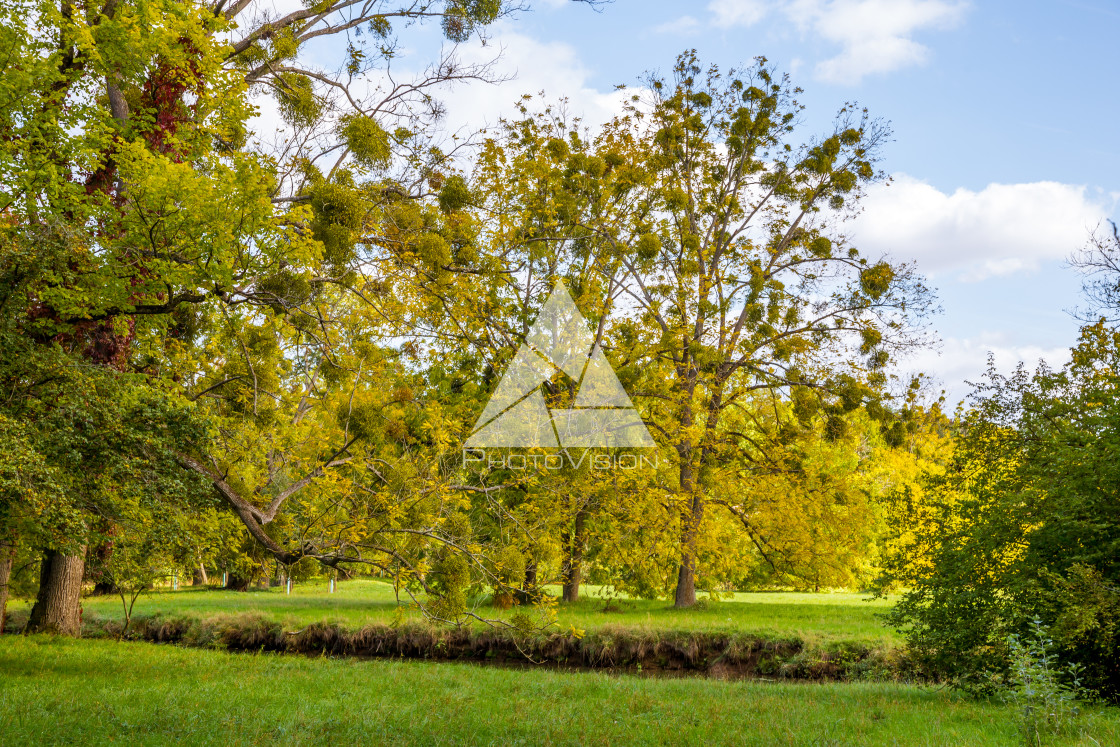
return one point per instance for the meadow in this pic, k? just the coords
(62, 691)
(811, 617)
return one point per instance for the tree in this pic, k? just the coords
(135, 202)
(505, 243)
(1099, 264)
(765, 327)
(144, 553)
(84, 441)
(738, 285)
(1024, 525)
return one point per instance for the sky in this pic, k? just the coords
(1004, 154)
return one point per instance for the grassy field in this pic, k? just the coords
(56, 691)
(812, 617)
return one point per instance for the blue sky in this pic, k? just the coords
(1004, 116)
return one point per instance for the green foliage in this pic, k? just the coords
(648, 247)
(299, 105)
(455, 194)
(449, 578)
(1023, 523)
(433, 250)
(339, 216)
(876, 280)
(287, 290)
(510, 566)
(821, 247)
(89, 441)
(462, 17)
(1045, 697)
(366, 140)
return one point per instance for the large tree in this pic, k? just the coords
(707, 254)
(739, 283)
(139, 207)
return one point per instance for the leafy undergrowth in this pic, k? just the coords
(608, 647)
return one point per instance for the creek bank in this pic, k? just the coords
(656, 652)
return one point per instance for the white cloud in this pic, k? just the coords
(881, 55)
(1000, 230)
(874, 36)
(532, 66)
(960, 360)
(728, 13)
(683, 26)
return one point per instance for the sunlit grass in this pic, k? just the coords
(91, 692)
(812, 617)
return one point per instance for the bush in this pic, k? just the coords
(1044, 692)
(1022, 523)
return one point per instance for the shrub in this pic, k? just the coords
(1044, 692)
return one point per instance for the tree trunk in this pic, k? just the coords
(7, 556)
(693, 514)
(58, 605)
(690, 529)
(572, 570)
(686, 582)
(104, 588)
(198, 577)
(527, 594)
(571, 583)
(99, 561)
(237, 583)
(277, 577)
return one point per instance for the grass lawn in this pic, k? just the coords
(59, 691)
(812, 617)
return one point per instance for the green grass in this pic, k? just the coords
(58, 691)
(812, 617)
